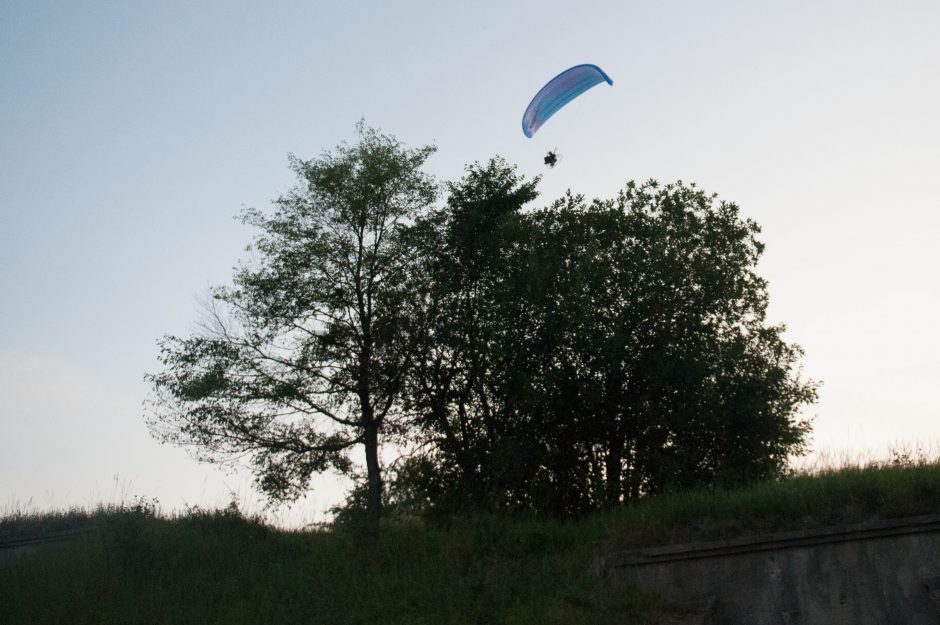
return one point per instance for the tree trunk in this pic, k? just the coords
(374, 476)
(613, 469)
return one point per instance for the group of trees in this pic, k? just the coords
(551, 360)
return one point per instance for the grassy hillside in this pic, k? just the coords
(135, 566)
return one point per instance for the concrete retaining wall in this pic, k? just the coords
(878, 573)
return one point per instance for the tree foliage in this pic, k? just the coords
(553, 360)
(454, 386)
(593, 352)
(303, 358)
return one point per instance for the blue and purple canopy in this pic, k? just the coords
(559, 91)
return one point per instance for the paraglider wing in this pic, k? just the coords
(559, 91)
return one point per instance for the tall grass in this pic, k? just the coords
(140, 566)
(220, 567)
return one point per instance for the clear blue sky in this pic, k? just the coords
(131, 134)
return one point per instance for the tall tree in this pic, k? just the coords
(593, 352)
(302, 359)
(455, 389)
(653, 350)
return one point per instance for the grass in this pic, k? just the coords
(206, 567)
(803, 501)
(220, 567)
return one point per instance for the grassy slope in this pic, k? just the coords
(221, 568)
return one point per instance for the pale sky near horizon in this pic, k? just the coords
(131, 134)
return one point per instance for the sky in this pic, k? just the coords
(132, 134)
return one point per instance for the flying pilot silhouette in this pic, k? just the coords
(551, 159)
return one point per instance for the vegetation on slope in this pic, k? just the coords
(137, 566)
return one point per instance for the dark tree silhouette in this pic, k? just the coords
(591, 353)
(302, 359)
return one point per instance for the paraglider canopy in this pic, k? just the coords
(558, 92)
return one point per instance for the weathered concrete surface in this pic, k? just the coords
(878, 573)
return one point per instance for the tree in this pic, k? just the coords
(302, 359)
(594, 352)
(454, 386)
(655, 355)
